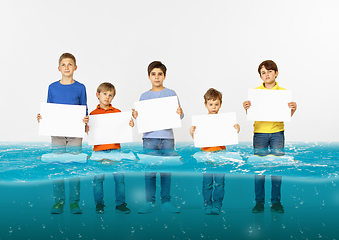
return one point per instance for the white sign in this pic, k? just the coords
(110, 128)
(214, 130)
(62, 120)
(269, 105)
(157, 114)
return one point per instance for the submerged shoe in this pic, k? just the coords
(149, 207)
(122, 209)
(57, 208)
(258, 208)
(277, 208)
(208, 210)
(169, 208)
(99, 208)
(215, 210)
(75, 209)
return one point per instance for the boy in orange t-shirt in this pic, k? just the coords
(105, 94)
(213, 100)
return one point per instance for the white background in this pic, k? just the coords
(203, 44)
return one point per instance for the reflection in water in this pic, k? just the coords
(310, 200)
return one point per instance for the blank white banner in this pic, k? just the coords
(110, 128)
(269, 105)
(157, 114)
(62, 120)
(215, 130)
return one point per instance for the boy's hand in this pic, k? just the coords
(131, 123)
(38, 117)
(86, 129)
(246, 105)
(179, 111)
(86, 119)
(236, 126)
(134, 113)
(293, 107)
(192, 131)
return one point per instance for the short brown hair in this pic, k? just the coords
(213, 94)
(67, 55)
(269, 65)
(156, 64)
(106, 86)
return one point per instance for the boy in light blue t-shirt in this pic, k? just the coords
(162, 140)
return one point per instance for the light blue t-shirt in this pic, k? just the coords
(166, 133)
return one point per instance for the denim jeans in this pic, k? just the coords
(261, 143)
(63, 145)
(218, 180)
(161, 147)
(98, 190)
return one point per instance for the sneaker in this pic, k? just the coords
(208, 210)
(258, 208)
(99, 208)
(122, 209)
(57, 208)
(75, 209)
(169, 208)
(149, 207)
(215, 210)
(277, 208)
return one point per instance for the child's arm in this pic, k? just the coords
(293, 107)
(192, 131)
(246, 105)
(236, 126)
(38, 117)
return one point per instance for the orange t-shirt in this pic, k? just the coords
(100, 110)
(213, 149)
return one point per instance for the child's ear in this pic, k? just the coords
(276, 74)
(97, 94)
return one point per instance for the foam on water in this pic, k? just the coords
(22, 162)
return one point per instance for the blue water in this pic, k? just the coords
(310, 195)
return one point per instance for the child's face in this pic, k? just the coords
(105, 98)
(67, 67)
(268, 76)
(213, 106)
(157, 77)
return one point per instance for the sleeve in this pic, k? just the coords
(49, 95)
(83, 98)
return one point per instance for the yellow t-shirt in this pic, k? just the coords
(269, 127)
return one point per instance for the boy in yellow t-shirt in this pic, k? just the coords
(268, 135)
(213, 100)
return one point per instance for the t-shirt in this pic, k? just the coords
(269, 127)
(166, 133)
(213, 149)
(72, 94)
(100, 110)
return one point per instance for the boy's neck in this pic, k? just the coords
(67, 80)
(104, 106)
(157, 89)
(270, 86)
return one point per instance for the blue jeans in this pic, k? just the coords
(98, 190)
(218, 180)
(162, 147)
(261, 143)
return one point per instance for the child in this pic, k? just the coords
(67, 91)
(105, 94)
(158, 140)
(213, 100)
(268, 134)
